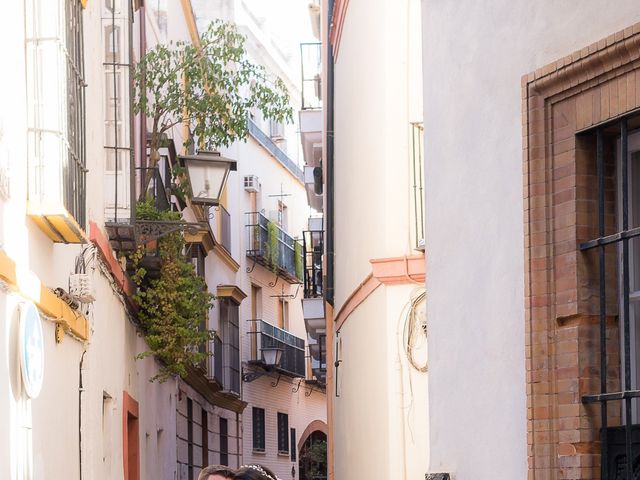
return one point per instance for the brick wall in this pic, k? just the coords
(595, 84)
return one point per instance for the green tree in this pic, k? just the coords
(211, 86)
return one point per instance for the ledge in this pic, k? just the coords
(106, 253)
(231, 291)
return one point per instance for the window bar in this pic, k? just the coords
(603, 304)
(625, 300)
(115, 109)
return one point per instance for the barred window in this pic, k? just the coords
(56, 104)
(616, 148)
(258, 429)
(283, 433)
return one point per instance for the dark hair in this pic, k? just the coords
(252, 472)
(215, 470)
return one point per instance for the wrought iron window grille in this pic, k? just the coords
(618, 443)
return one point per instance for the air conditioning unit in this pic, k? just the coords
(81, 288)
(277, 130)
(251, 183)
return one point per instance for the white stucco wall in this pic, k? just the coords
(474, 56)
(380, 424)
(109, 365)
(372, 124)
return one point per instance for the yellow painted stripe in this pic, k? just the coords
(46, 228)
(48, 302)
(66, 228)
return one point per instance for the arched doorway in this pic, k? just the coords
(312, 463)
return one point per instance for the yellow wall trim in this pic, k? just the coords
(28, 285)
(226, 257)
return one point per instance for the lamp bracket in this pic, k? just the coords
(149, 230)
(249, 377)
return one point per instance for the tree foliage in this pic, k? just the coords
(211, 86)
(173, 307)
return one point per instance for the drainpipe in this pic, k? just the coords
(80, 390)
(143, 120)
(330, 290)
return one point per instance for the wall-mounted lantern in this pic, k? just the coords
(207, 173)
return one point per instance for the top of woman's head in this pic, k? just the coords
(254, 472)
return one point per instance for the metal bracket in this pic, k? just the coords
(275, 384)
(308, 393)
(275, 282)
(297, 387)
(249, 377)
(250, 269)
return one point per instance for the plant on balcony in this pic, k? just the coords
(271, 247)
(297, 251)
(172, 306)
(211, 87)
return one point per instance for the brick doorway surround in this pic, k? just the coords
(593, 85)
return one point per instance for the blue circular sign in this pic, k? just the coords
(31, 349)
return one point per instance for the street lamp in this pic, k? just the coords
(271, 356)
(207, 173)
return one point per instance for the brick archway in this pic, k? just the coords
(316, 425)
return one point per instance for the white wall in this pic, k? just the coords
(109, 365)
(474, 56)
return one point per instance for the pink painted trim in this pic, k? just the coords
(385, 271)
(337, 24)
(398, 270)
(102, 244)
(359, 295)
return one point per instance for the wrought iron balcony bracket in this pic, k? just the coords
(149, 230)
(249, 377)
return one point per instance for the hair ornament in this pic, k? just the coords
(260, 470)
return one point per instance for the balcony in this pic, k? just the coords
(273, 248)
(313, 247)
(311, 121)
(293, 354)
(318, 354)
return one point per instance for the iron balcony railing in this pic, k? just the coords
(225, 228)
(273, 248)
(311, 74)
(313, 245)
(293, 352)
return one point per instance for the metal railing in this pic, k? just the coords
(313, 245)
(311, 74)
(266, 141)
(225, 228)
(293, 353)
(272, 247)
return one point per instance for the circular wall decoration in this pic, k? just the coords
(31, 349)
